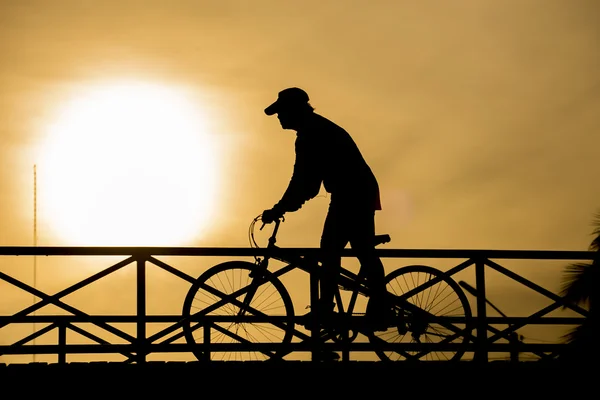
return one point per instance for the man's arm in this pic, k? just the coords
(306, 178)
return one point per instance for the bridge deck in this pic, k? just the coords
(295, 377)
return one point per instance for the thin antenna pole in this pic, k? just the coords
(34, 243)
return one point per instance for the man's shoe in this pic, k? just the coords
(377, 324)
(379, 317)
(320, 315)
(322, 319)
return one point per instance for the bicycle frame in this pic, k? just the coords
(259, 278)
(347, 280)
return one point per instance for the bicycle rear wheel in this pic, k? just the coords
(415, 325)
(219, 294)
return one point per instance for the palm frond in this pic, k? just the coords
(595, 245)
(577, 282)
(580, 335)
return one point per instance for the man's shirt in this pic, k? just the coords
(326, 154)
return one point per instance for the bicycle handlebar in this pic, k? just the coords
(272, 238)
(378, 239)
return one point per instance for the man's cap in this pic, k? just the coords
(288, 99)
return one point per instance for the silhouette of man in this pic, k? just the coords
(326, 154)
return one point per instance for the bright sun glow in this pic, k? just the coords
(128, 164)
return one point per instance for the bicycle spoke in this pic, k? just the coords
(223, 291)
(423, 316)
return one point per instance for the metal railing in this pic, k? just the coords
(483, 337)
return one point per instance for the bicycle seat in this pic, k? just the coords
(380, 239)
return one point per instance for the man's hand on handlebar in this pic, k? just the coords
(271, 215)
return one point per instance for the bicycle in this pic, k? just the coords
(239, 303)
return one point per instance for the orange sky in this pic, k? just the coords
(479, 118)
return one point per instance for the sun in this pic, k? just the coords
(128, 164)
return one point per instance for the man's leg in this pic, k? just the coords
(333, 241)
(322, 313)
(362, 240)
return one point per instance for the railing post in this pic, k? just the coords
(141, 310)
(514, 347)
(206, 355)
(62, 343)
(346, 341)
(481, 354)
(314, 306)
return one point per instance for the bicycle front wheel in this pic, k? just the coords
(419, 323)
(240, 310)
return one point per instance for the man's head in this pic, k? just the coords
(291, 107)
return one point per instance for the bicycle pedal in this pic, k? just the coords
(257, 273)
(401, 324)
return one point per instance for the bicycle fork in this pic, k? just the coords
(258, 278)
(258, 275)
